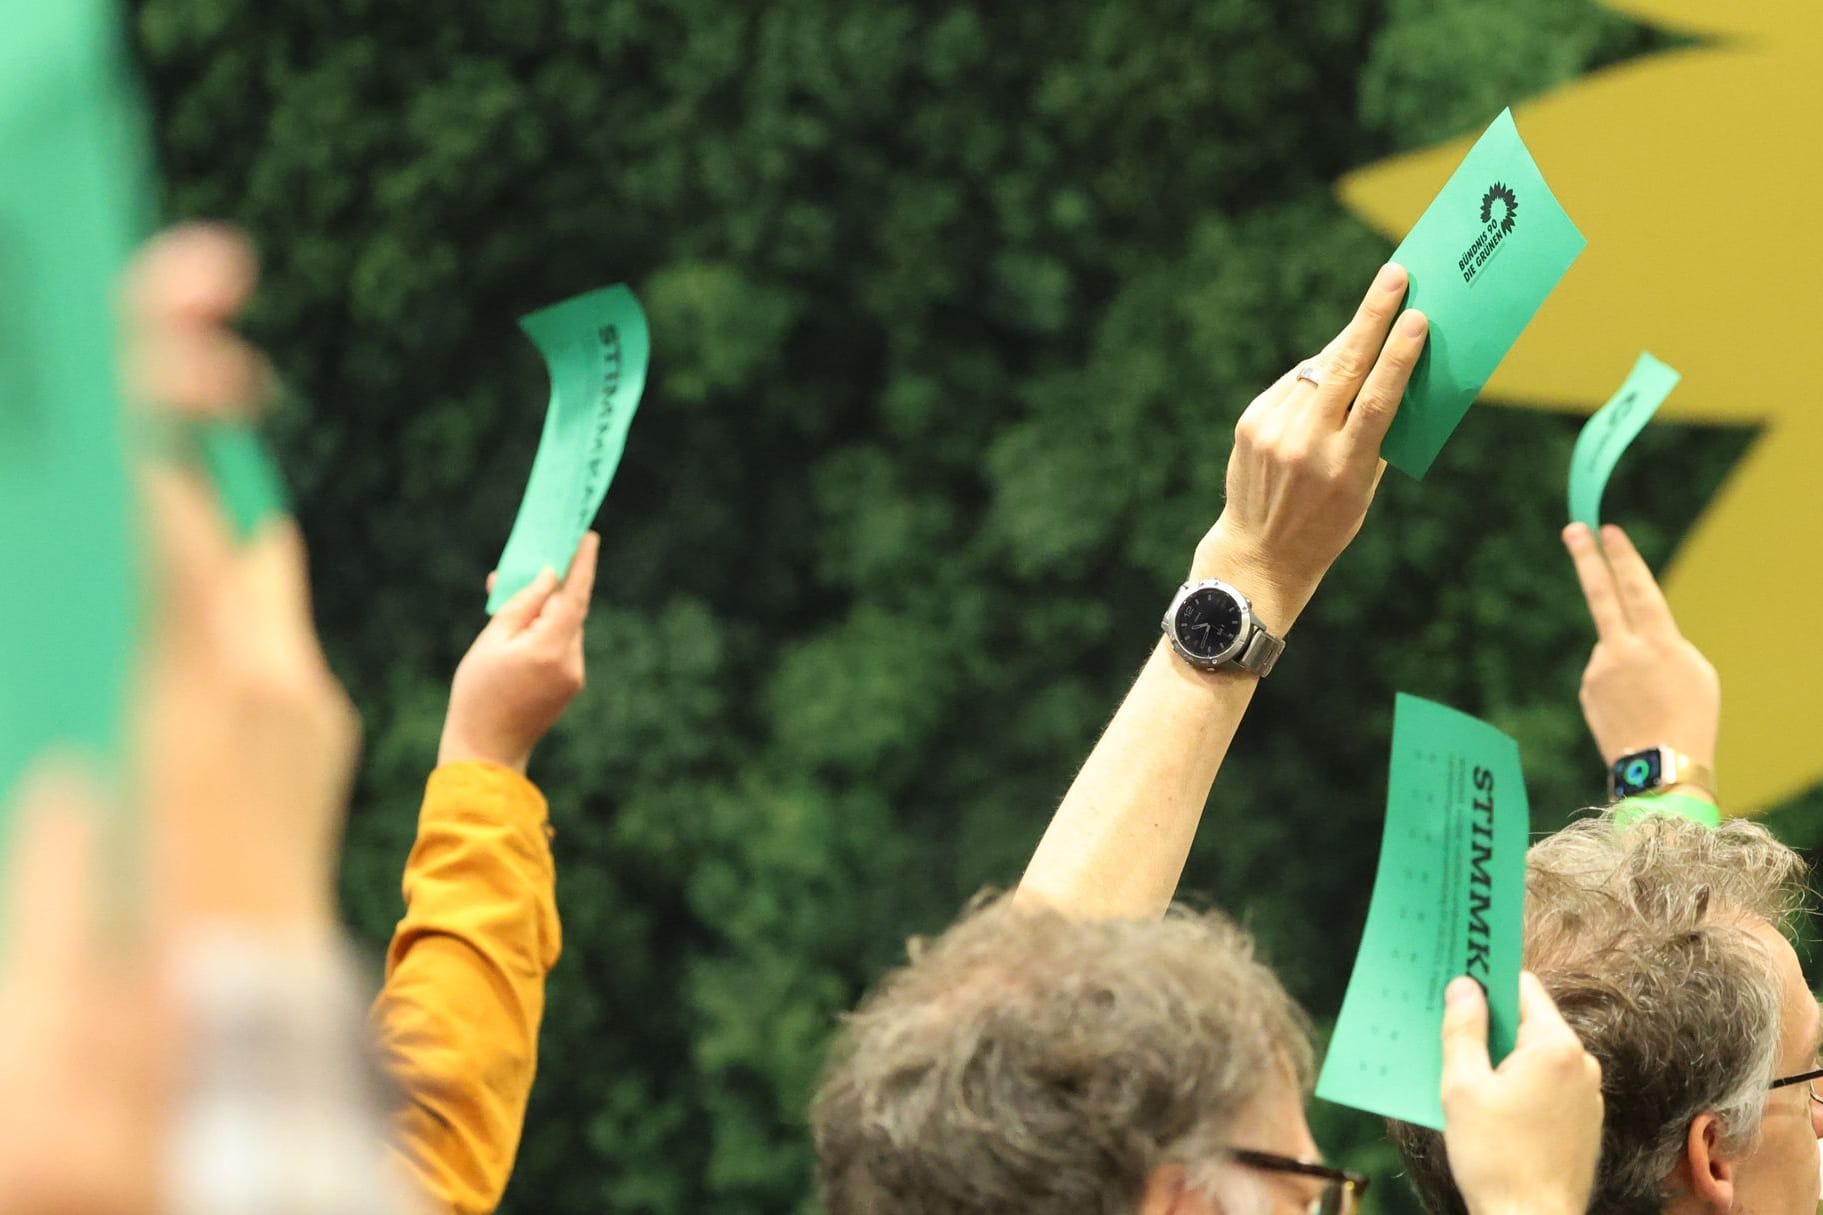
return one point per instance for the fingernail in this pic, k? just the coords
(1460, 990)
(1413, 323)
(1574, 533)
(1391, 277)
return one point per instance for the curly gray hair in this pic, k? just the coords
(1027, 1061)
(1643, 934)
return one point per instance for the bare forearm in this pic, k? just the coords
(1303, 471)
(1118, 843)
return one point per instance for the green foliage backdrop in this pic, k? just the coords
(954, 306)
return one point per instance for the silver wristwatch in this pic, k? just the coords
(1212, 626)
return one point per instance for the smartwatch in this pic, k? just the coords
(1655, 770)
(1212, 627)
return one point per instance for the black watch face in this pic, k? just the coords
(1208, 623)
(1637, 773)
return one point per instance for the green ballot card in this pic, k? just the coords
(596, 348)
(1482, 259)
(1610, 431)
(1447, 901)
(244, 475)
(74, 199)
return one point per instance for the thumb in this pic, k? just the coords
(518, 612)
(1539, 1019)
(1465, 1033)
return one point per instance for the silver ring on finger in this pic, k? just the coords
(1312, 373)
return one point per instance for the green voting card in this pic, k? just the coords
(1610, 431)
(74, 199)
(1482, 259)
(230, 454)
(596, 348)
(1448, 899)
(244, 475)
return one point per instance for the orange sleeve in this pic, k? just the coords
(457, 1019)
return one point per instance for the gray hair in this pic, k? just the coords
(1028, 1061)
(1643, 934)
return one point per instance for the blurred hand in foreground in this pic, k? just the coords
(246, 741)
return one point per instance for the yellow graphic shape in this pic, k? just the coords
(1697, 175)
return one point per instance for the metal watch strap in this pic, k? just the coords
(1261, 653)
(1686, 771)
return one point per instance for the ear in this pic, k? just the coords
(1709, 1175)
(1167, 1192)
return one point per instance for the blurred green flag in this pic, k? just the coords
(73, 201)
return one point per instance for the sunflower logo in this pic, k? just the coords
(1500, 193)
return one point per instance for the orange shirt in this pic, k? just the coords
(457, 1020)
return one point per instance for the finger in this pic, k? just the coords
(1597, 580)
(193, 552)
(1378, 401)
(493, 580)
(568, 610)
(1465, 1032)
(197, 370)
(1355, 351)
(522, 609)
(1640, 596)
(1271, 399)
(52, 865)
(1539, 1020)
(579, 587)
(194, 272)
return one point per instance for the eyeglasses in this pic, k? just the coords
(1342, 1189)
(1807, 1079)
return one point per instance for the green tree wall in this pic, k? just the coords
(954, 306)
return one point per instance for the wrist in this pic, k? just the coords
(1664, 767)
(455, 748)
(1699, 754)
(277, 905)
(1277, 602)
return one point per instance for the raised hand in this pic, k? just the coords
(523, 670)
(1306, 458)
(1526, 1136)
(246, 741)
(1645, 685)
(1305, 465)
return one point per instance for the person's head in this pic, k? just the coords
(1661, 942)
(1024, 1061)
